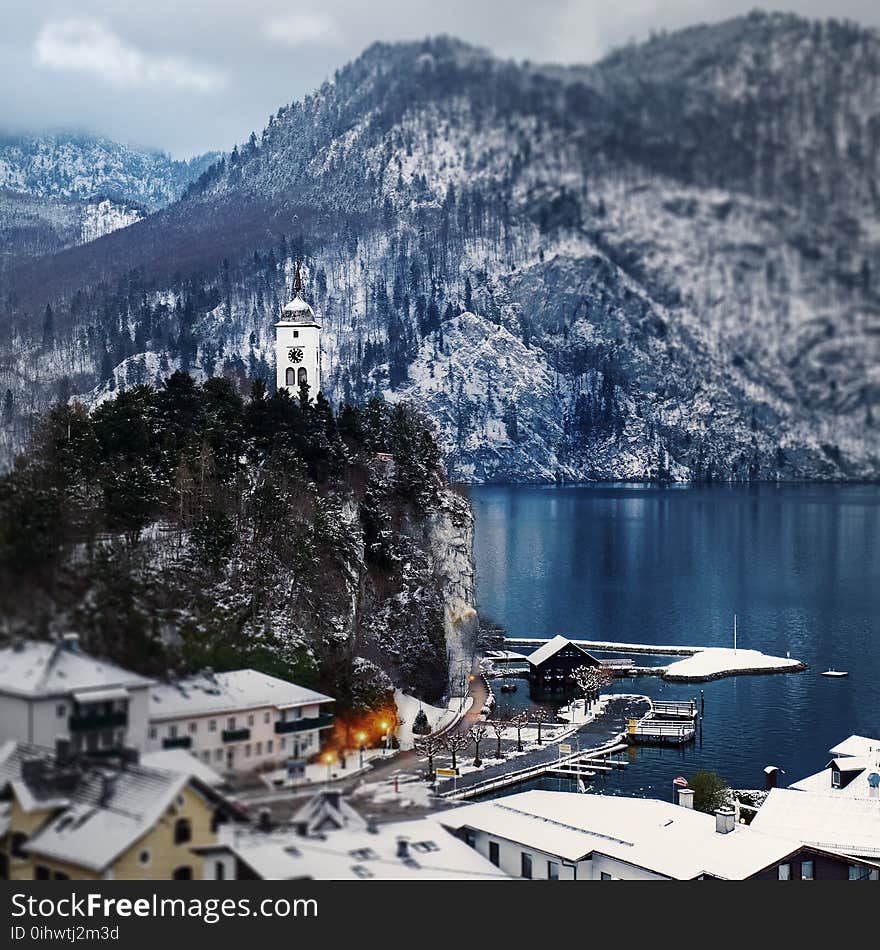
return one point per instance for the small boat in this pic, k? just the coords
(835, 673)
(508, 688)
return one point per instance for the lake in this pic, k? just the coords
(798, 564)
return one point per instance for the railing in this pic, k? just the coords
(87, 722)
(236, 735)
(300, 725)
(178, 742)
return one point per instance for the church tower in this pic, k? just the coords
(298, 345)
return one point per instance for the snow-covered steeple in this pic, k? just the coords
(298, 344)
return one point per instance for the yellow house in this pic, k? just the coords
(64, 817)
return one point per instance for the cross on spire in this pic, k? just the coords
(297, 282)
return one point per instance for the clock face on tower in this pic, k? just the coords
(295, 354)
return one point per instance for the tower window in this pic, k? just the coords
(290, 377)
(303, 376)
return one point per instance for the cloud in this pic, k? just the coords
(86, 45)
(302, 29)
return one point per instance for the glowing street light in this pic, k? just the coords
(362, 738)
(328, 758)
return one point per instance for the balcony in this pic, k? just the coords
(302, 725)
(95, 721)
(178, 742)
(236, 735)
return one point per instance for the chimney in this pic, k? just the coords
(874, 785)
(63, 752)
(264, 822)
(402, 848)
(108, 784)
(70, 641)
(771, 777)
(686, 797)
(724, 821)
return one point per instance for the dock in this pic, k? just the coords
(667, 723)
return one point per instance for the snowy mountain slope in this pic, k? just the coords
(663, 265)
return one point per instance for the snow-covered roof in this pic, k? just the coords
(327, 811)
(857, 785)
(358, 854)
(670, 840)
(227, 692)
(182, 760)
(37, 669)
(828, 819)
(297, 313)
(551, 648)
(856, 745)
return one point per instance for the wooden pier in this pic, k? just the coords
(668, 723)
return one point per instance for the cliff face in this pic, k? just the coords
(189, 528)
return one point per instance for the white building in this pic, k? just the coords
(854, 772)
(566, 835)
(51, 690)
(329, 841)
(298, 345)
(238, 721)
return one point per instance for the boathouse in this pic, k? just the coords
(551, 665)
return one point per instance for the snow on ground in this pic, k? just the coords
(714, 662)
(411, 792)
(438, 717)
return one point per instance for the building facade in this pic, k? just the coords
(53, 689)
(239, 721)
(552, 664)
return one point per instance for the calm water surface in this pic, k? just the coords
(800, 566)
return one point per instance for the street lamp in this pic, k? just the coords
(328, 758)
(386, 732)
(362, 738)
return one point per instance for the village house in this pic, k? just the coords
(552, 664)
(570, 836)
(52, 689)
(239, 721)
(837, 808)
(327, 840)
(68, 817)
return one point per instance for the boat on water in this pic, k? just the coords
(508, 688)
(836, 673)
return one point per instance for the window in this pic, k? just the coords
(153, 732)
(425, 846)
(182, 831)
(61, 876)
(247, 750)
(172, 732)
(364, 854)
(41, 873)
(807, 871)
(18, 843)
(144, 858)
(193, 728)
(212, 725)
(250, 720)
(282, 744)
(266, 717)
(302, 376)
(183, 873)
(526, 865)
(495, 853)
(290, 377)
(218, 755)
(219, 871)
(230, 722)
(552, 871)
(361, 871)
(605, 876)
(60, 710)
(296, 334)
(270, 745)
(784, 872)
(259, 748)
(857, 873)
(470, 837)
(835, 778)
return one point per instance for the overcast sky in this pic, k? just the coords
(193, 75)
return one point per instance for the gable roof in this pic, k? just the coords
(552, 647)
(209, 693)
(856, 745)
(327, 810)
(842, 823)
(670, 840)
(38, 669)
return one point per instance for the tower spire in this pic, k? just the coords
(297, 282)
